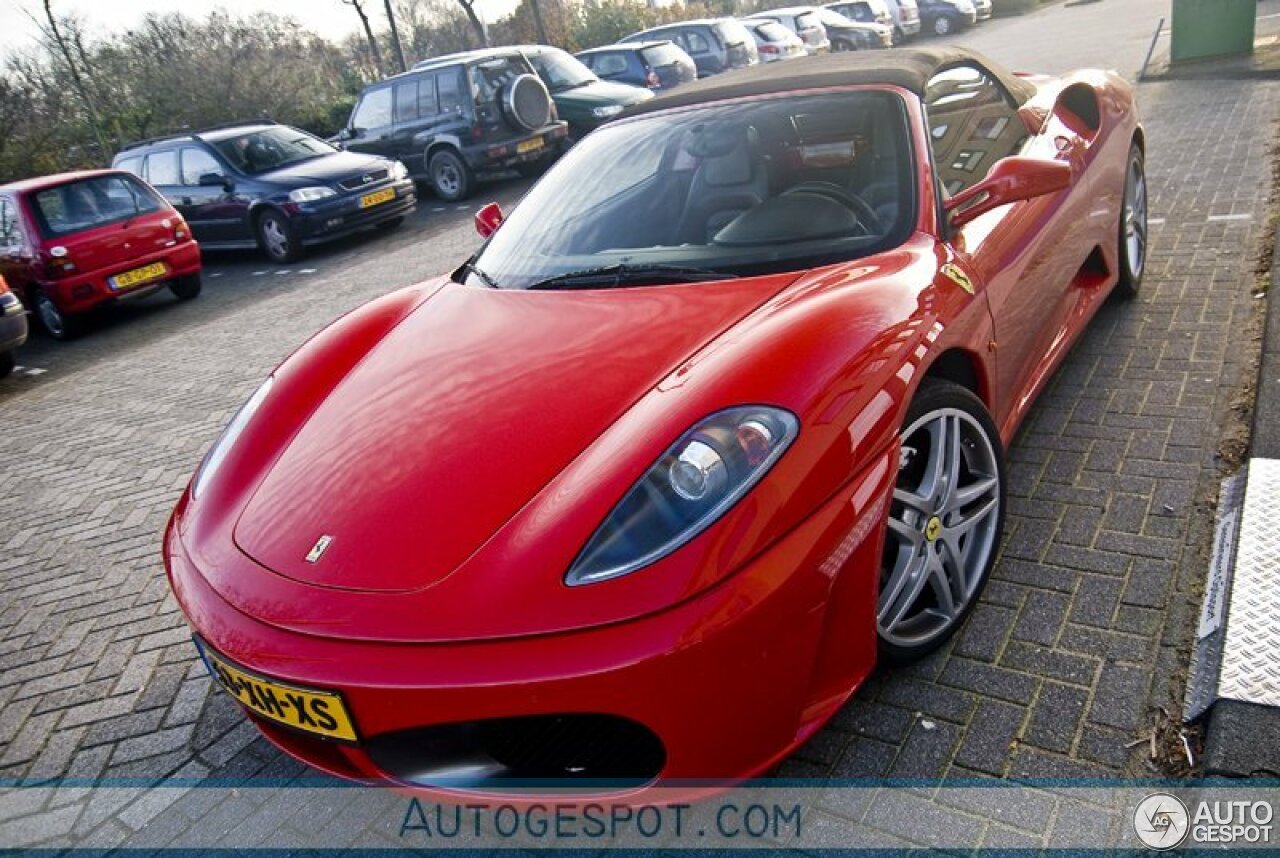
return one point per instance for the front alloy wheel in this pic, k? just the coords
(276, 238)
(942, 25)
(944, 523)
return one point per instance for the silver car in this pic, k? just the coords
(774, 42)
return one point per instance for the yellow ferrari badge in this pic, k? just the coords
(958, 277)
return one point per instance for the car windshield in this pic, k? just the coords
(560, 71)
(665, 54)
(776, 184)
(772, 31)
(81, 205)
(270, 149)
(831, 18)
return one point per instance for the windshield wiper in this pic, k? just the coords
(616, 275)
(470, 267)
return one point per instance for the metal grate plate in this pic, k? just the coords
(1251, 649)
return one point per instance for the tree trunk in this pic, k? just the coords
(468, 6)
(374, 52)
(395, 37)
(104, 151)
(537, 20)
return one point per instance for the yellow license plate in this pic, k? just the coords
(138, 276)
(529, 145)
(376, 197)
(320, 712)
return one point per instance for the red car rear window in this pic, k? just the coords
(88, 203)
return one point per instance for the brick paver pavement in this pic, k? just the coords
(1078, 636)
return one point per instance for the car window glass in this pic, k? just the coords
(162, 168)
(427, 95)
(406, 96)
(374, 110)
(772, 31)
(807, 21)
(665, 54)
(131, 165)
(973, 124)
(87, 203)
(10, 226)
(695, 42)
(450, 90)
(610, 64)
(731, 33)
(489, 77)
(560, 71)
(195, 163)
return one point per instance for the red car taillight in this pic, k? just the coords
(652, 80)
(768, 49)
(4, 285)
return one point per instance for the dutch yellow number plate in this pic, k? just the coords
(376, 197)
(138, 276)
(529, 145)
(320, 712)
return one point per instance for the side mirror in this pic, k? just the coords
(210, 180)
(1011, 180)
(351, 133)
(488, 219)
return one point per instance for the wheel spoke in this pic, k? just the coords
(950, 584)
(912, 501)
(903, 589)
(953, 459)
(967, 523)
(975, 491)
(907, 535)
(943, 587)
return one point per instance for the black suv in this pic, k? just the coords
(451, 118)
(268, 185)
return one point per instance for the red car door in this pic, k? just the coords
(1026, 254)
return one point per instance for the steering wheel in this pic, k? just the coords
(867, 217)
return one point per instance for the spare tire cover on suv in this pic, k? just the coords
(527, 103)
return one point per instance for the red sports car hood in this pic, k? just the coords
(459, 416)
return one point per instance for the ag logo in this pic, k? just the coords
(953, 273)
(1161, 821)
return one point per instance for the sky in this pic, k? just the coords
(331, 18)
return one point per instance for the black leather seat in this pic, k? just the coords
(730, 178)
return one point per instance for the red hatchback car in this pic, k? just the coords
(713, 421)
(75, 241)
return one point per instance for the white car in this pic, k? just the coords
(774, 42)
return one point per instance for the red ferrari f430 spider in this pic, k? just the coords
(714, 420)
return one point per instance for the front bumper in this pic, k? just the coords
(338, 216)
(983, 10)
(13, 322)
(500, 156)
(728, 682)
(82, 292)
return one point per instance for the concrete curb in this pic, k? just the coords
(1242, 738)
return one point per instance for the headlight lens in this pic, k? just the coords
(307, 195)
(399, 171)
(213, 459)
(606, 111)
(696, 481)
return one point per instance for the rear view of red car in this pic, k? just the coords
(72, 242)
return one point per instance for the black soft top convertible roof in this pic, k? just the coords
(909, 68)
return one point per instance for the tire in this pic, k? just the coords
(61, 326)
(277, 238)
(943, 25)
(1132, 234)
(7, 363)
(451, 179)
(186, 288)
(942, 513)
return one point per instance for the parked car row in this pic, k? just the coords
(72, 242)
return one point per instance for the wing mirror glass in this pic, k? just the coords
(488, 219)
(1011, 180)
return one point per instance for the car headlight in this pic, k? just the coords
(696, 481)
(606, 111)
(399, 171)
(307, 195)
(218, 452)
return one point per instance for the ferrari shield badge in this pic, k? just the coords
(958, 277)
(317, 550)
